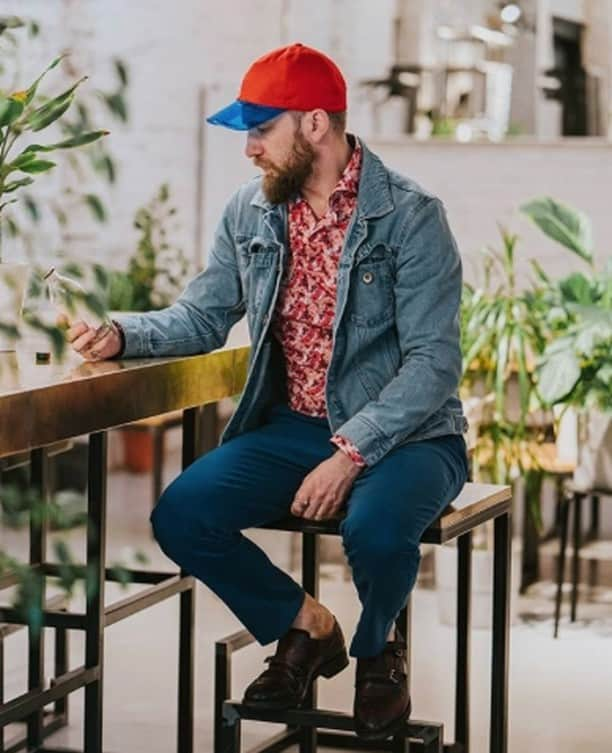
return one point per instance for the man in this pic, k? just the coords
(351, 282)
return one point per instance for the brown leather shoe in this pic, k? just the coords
(299, 659)
(382, 704)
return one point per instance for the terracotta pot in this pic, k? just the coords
(138, 450)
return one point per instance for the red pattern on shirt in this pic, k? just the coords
(304, 312)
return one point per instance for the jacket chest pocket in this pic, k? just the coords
(258, 261)
(371, 299)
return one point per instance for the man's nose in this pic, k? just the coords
(252, 147)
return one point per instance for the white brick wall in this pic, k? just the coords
(174, 51)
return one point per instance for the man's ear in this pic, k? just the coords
(315, 124)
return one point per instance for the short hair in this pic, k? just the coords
(338, 121)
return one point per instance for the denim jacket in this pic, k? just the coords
(395, 363)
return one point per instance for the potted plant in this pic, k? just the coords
(22, 115)
(500, 338)
(153, 278)
(575, 369)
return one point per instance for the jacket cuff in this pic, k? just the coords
(372, 442)
(349, 449)
(133, 336)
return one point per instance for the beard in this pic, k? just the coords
(280, 184)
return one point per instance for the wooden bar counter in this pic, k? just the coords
(41, 405)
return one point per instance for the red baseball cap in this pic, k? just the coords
(295, 77)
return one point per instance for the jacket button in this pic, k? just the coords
(367, 277)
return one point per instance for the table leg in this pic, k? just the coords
(187, 610)
(498, 741)
(39, 469)
(96, 557)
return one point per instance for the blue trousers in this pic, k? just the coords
(252, 479)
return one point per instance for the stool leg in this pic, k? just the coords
(593, 536)
(310, 581)
(403, 623)
(576, 558)
(223, 691)
(462, 676)
(563, 524)
(158, 463)
(498, 740)
(230, 729)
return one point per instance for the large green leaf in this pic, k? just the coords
(558, 376)
(53, 109)
(37, 166)
(10, 110)
(563, 224)
(577, 289)
(81, 140)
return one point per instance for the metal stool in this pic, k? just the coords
(476, 504)
(575, 496)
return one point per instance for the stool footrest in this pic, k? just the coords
(322, 718)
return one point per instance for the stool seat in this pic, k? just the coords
(475, 504)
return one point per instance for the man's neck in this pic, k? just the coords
(326, 173)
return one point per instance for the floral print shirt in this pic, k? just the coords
(304, 313)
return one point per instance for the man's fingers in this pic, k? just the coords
(82, 342)
(76, 330)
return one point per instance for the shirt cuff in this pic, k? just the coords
(348, 448)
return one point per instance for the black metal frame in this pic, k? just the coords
(575, 496)
(425, 736)
(29, 706)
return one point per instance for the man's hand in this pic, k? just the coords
(325, 489)
(91, 343)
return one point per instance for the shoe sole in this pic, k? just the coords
(388, 731)
(328, 669)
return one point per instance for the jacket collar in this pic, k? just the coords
(374, 197)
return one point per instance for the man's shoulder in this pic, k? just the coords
(408, 192)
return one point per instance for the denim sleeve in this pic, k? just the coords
(202, 316)
(427, 299)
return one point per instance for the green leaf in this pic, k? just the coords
(53, 109)
(563, 224)
(97, 207)
(31, 90)
(10, 187)
(20, 160)
(37, 166)
(121, 69)
(10, 22)
(32, 207)
(81, 140)
(10, 110)
(576, 289)
(558, 376)
(44, 119)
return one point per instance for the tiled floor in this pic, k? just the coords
(560, 691)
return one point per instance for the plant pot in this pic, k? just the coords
(594, 468)
(13, 286)
(482, 584)
(138, 450)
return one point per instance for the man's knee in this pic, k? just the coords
(168, 521)
(185, 517)
(378, 545)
